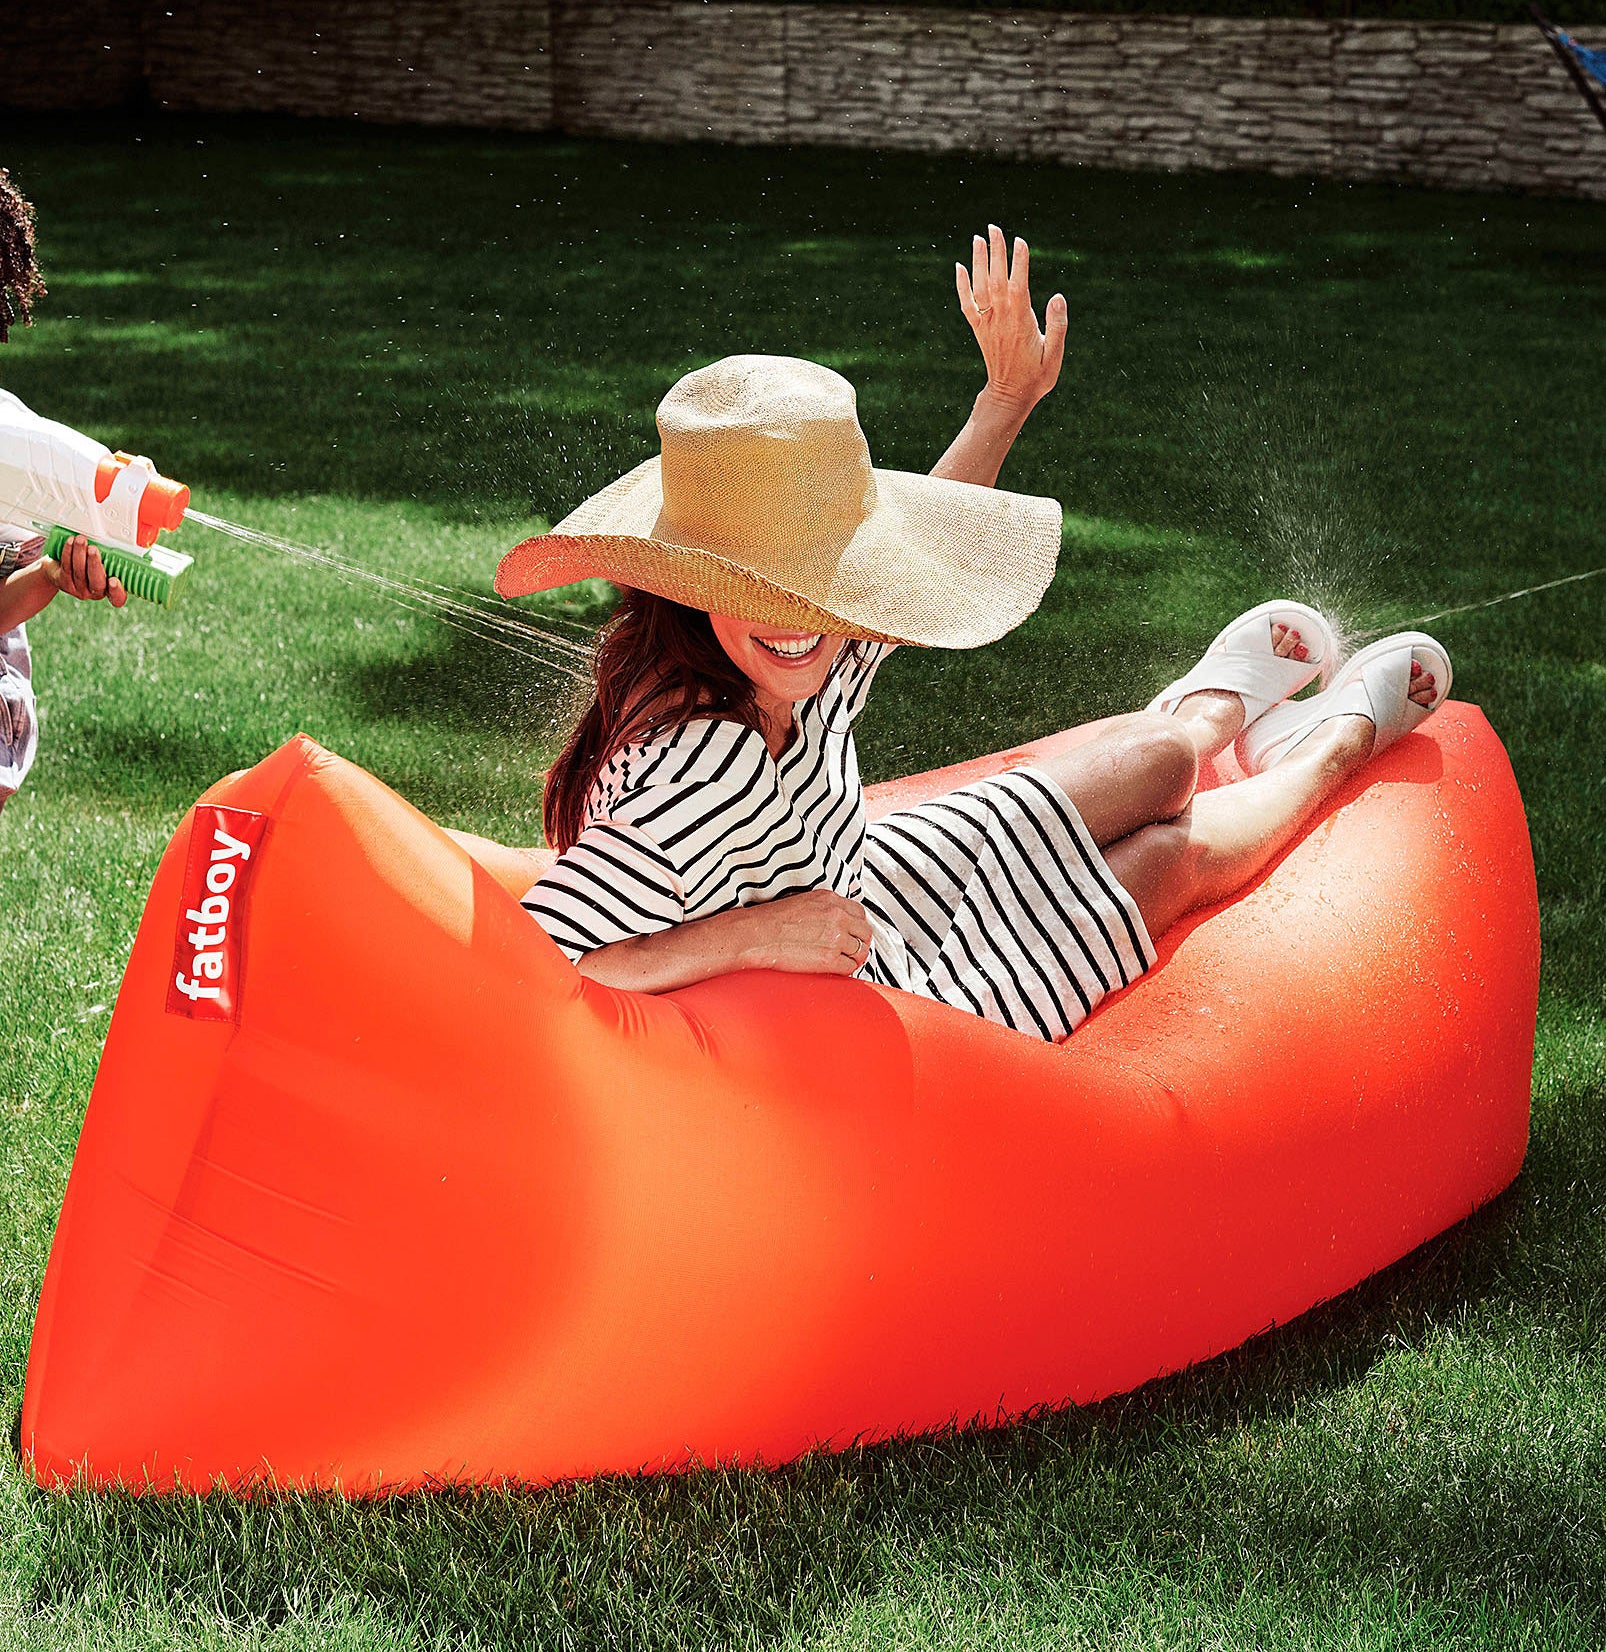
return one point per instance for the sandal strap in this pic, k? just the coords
(1259, 683)
(1240, 661)
(1375, 684)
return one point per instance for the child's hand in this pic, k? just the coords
(1023, 364)
(81, 573)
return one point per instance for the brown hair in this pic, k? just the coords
(20, 281)
(657, 664)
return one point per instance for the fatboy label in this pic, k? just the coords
(207, 950)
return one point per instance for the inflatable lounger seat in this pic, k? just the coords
(391, 1195)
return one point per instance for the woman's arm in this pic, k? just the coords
(818, 933)
(1023, 363)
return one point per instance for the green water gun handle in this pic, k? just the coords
(155, 574)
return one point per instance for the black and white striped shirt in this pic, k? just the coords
(705, 819)
(993, 898)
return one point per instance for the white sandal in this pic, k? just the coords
(1241, 660)
(1376, 683)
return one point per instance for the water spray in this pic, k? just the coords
(534, 637)
(1485, 602)
(66, 483)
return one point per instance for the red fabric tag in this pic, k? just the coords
(208, 947)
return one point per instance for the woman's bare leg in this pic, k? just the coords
(1144, 767)
(1230, 834)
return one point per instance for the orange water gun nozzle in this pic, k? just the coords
(161, 506)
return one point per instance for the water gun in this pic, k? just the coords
(66, 483)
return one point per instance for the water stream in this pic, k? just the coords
(540, 639)
(535, 638)
(1472, 607)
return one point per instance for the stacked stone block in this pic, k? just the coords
(444, 62)
(1475, 106)
(86, 56)
(718, 73)
(433, 62)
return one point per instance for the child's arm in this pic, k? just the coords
(1023, 364)
(26, 591)
(23, 593)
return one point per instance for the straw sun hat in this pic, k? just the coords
(764, 505)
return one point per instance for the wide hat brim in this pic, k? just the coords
(936, 563)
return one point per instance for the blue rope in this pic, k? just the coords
(1591, 62)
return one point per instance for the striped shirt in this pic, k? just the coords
(20, 547)
(705, 819)
(19, 719)
(993, 899)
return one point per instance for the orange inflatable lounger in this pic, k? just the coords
(375, 1191)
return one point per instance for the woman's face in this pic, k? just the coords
(782, 665)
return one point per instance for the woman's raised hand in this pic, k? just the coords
(1023, 362)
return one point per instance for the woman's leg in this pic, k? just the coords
(1144, 767)
(1230, 834)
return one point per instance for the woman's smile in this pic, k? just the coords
(794, 650)
(783, 666)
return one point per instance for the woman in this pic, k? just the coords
(707, 808)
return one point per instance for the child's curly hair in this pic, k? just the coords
(20, 281)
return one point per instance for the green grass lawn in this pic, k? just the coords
(410, 348)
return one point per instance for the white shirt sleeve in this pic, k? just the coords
(614, 883)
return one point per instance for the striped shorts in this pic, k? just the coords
(995, 899)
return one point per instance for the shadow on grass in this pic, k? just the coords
(126, 765)
(462, 683)
(135, 764)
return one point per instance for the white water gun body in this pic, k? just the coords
(67, 483)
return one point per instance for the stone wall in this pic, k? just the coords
(432, 62)
(87, 56)
(1477, 106)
